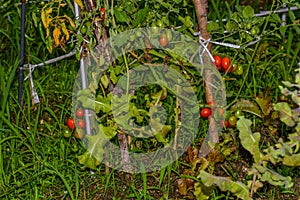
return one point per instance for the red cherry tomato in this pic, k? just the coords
(102, 10)
(163, 40)
(205, 112)
(81, 124)
(218, 61)
(71, 124)
(225, 63)
(80, 113)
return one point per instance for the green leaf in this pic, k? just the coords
(89, 161)
(161, 135)
(140, 16)
(285, 113)
(225, 184)
(121, 16)
(231, 26)
(104, 81)
(212, 26)
(248, 12)
(113, 76)
(249, 141)
(292, 15)
(102, 103)
(109, 132)
(282, 29)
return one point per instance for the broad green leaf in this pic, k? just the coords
(248, 12)
(212, 26)
(264, 102)
(249, 141)
(121, 16)
(285, 113)
(102, 103)
(225, 184)
(140, 16)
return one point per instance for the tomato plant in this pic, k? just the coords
(80, 113)
(71, 124)
(205, 112)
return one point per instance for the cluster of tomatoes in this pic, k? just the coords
(230, 121)
(72, 124)
(224, 64)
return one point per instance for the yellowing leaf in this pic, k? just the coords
(49, 11)
(70, 21)
(65, 31)
(56, 35)
(46, 19)
(79, 3)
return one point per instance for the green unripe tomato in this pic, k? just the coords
(232, 120)
(238, 113)
(67, 133)
(239, 70)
